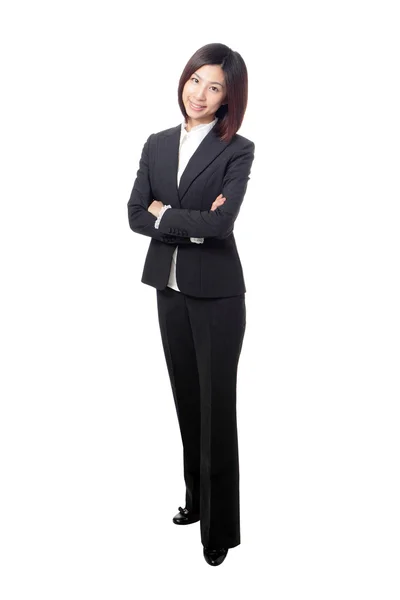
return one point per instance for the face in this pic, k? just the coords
(205, 89)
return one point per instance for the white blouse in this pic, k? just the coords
(189, 142)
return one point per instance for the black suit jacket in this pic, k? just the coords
(213, 268)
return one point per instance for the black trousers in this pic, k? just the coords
(202, 340)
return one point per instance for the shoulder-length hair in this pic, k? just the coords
(230, 115)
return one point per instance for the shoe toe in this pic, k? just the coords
(215, 556)
(185, 517)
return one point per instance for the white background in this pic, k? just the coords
(91, 458)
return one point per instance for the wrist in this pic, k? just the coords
(160, 214)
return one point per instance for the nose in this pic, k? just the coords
(200, 95)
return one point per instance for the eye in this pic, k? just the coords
(212, 87)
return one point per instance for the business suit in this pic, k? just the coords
(208, 270)
(203, 325)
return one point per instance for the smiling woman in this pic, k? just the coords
(201, 96)
(215, 77)
(198, 171)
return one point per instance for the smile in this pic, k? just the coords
(195, 106)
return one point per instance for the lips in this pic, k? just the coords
(196, 106)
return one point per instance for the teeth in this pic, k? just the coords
(196, 105)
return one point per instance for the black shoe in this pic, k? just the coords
(214, 556)
(185, 517)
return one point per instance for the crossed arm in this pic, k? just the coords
(140, 219)
(179, 225)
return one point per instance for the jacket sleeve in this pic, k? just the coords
(140, 219)
(217, 223)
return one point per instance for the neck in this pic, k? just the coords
(190, 123)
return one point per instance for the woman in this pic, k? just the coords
(191, 182)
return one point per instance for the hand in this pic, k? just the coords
(218, 202)
(155, 207)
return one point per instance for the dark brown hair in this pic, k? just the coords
(230, 115)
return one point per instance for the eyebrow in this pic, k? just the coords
(217, 82)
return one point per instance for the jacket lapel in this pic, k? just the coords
(209, 148)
